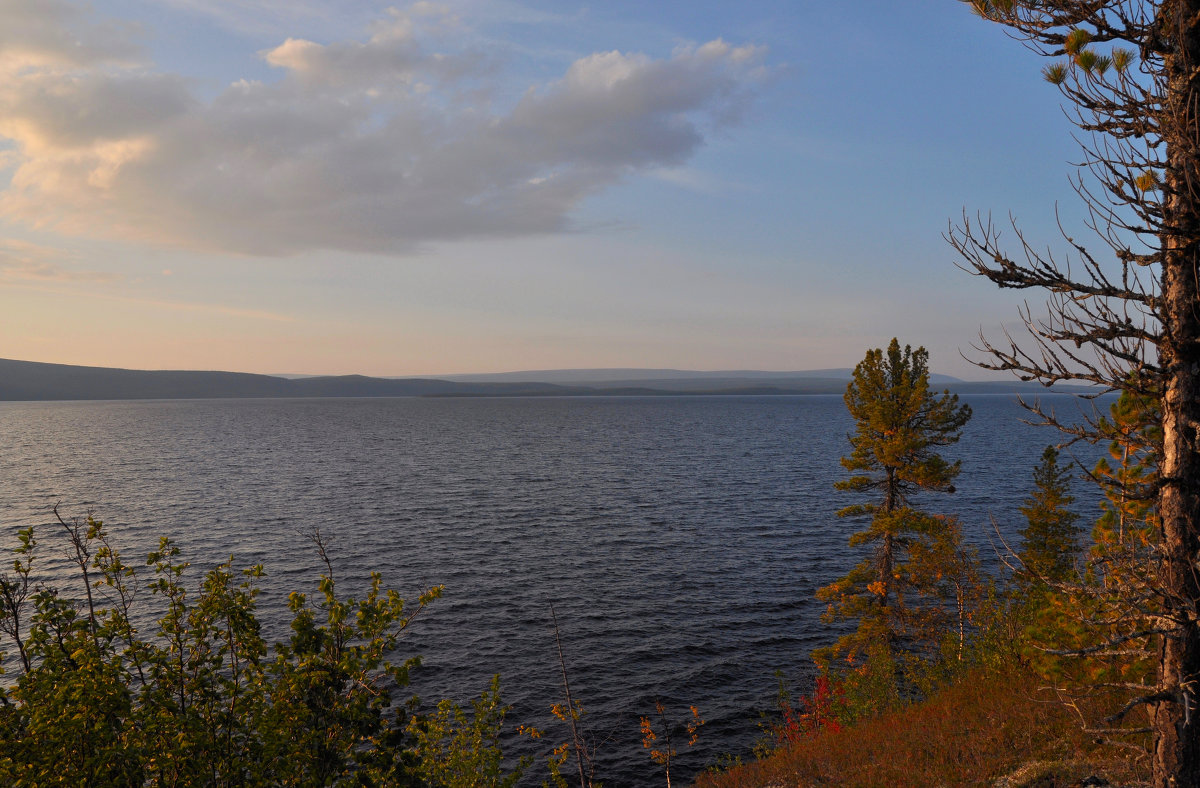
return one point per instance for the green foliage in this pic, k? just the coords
(1122, 59)
(1083, 61)
(457, 750)
(1076, 42)
(201, 700)
(1045, 604)
(1128, 476)
(898, 591)
(1055, 73)
(993, 9)
(1050, 539)
(899, 426)
(1087, 631)
(949, 576)
(1101, 625)
(869, 685)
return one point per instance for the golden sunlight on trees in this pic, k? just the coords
(1123, 312)
(200, 699)
(1050, 538)
(896, 593)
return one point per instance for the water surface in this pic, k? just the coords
(680, 540)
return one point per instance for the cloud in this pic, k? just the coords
(377, 145)
(21, 260)
(175, 307)
(57, 34)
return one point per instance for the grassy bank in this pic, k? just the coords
(983, 728)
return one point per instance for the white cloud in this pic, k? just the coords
(376, 145)
(392, 55)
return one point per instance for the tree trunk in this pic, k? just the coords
(1177, 723)
(887, 567)
(887, 550)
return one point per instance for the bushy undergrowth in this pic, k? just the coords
(200, 698)
(983, 727)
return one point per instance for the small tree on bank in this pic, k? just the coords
(1049, 588)
(1050, 538)
(1129, 477)
(900, 425)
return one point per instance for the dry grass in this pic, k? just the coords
(980, 731)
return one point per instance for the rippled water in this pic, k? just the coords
(680, 540)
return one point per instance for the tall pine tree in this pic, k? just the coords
(900, 426)
(1122, 310)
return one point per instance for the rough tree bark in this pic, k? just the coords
(1132, 322)
(1177, 723)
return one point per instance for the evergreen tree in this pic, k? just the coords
(1050, 540)
(1081, 630)
(1122, 311)
(1128, 476)
(1124, 600)
(1047, 607)
(899, 427)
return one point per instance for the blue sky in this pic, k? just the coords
(471, 186)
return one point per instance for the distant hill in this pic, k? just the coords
(628, 376)
(31, 380)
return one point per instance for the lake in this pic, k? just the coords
(680, 539)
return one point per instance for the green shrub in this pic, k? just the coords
(200, 699)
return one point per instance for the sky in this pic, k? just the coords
(351, 186)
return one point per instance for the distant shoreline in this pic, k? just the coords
(32, 381)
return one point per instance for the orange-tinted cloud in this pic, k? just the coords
(364, 145)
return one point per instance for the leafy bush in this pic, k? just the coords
(457, 750)
(201, 699)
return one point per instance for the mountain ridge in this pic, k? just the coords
(41, 381)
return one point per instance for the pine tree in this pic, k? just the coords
(1128, 476)
(1046, 608)
(899, 427)
(1125, 602)
(1050, 540)
(1090, 629)
(1122, 311)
